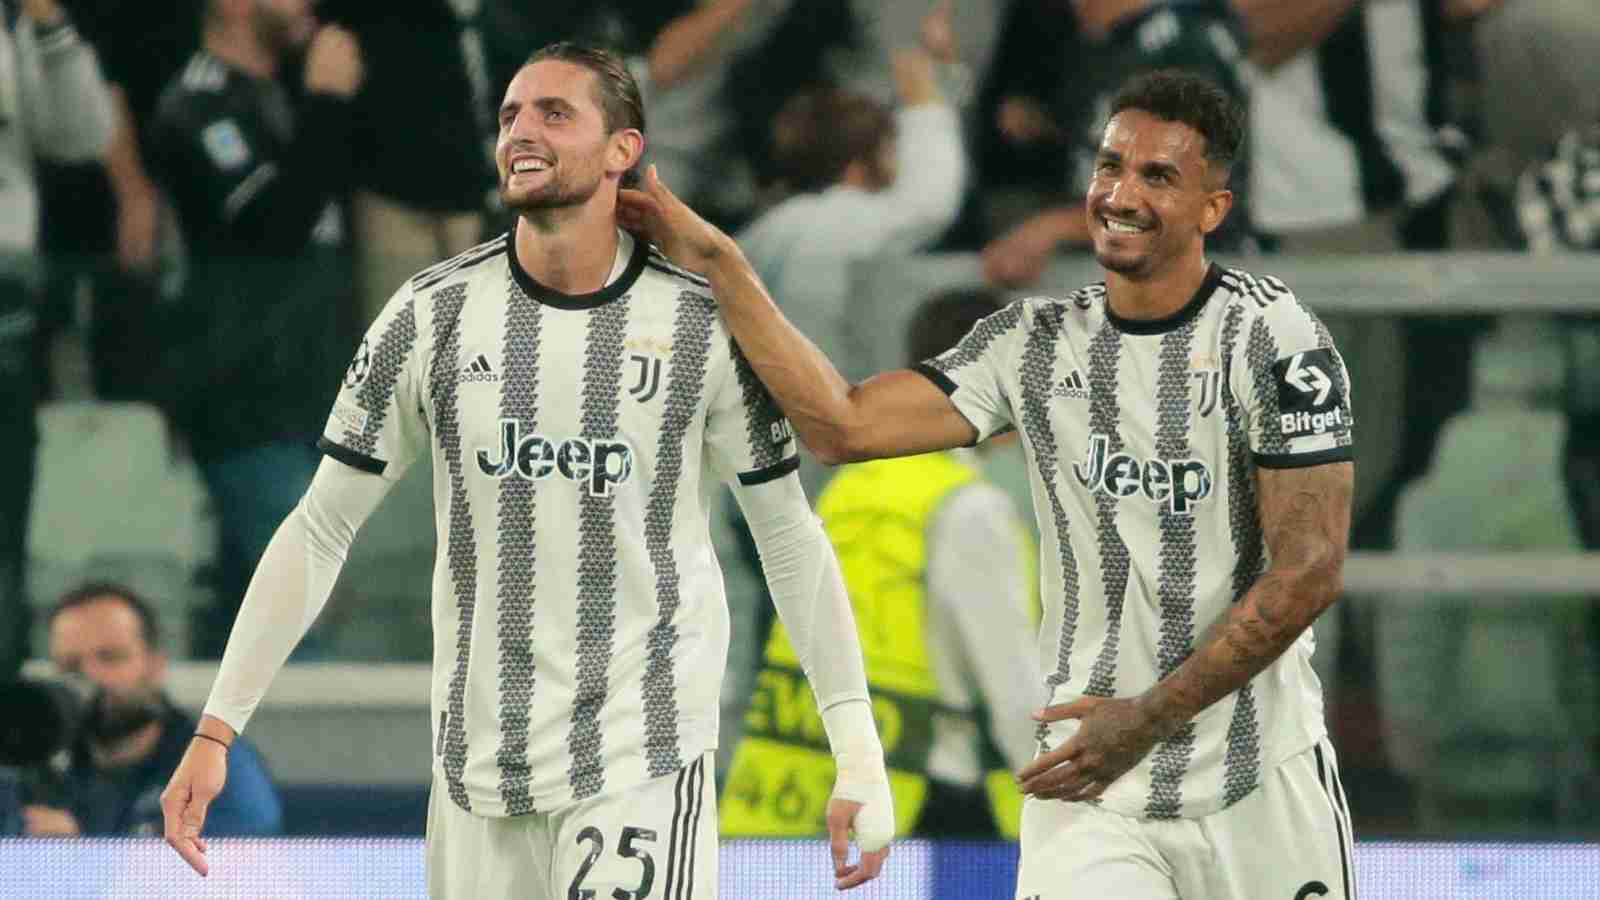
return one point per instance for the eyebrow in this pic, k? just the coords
(542, 103)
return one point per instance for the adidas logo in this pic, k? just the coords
(1073, 387)
(478, 370)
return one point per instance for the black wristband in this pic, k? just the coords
(225, 744)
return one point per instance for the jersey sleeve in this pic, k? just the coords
(973, 373)
(377, 423)
(1296, 390)
(747, 436)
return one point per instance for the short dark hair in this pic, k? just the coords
(616, 90)
(945, 318)
(820, 131)
(149, 623)
(1181, 96)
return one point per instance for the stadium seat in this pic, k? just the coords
(112, 500)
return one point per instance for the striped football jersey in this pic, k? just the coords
(580, 626)
(1143, 439)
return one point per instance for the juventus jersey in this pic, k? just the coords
(1143, 440)
(580, 626)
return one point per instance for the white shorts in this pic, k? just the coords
(1289, 839)
(655, 842)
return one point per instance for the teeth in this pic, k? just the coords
(1122, 227)
(529, 165)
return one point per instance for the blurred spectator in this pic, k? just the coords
(134, 736)
(435, 118)
(105, 226)
(866, 181)
(1490, 702)
(1345, 158)
(942, 576)
(1118, 40)
(255, 174)
(53, 104)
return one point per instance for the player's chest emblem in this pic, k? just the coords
(646, 376)
(1208, 386)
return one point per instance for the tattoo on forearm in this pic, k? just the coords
(1306, 528)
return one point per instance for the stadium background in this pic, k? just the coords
(1485, 791)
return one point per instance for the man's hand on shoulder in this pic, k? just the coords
(687, 239)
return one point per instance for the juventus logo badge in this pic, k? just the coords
(1209, 384)
(649, 377)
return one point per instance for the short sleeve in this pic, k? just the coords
(747, 436)
(377, 422)
(973, 373)
(1296, 387)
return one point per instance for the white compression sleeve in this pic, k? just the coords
(291, 585)
(808, 590)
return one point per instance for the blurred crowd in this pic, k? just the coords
(207, 201)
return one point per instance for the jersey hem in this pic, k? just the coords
(351, 458)
(493, 807)
(1303, 460)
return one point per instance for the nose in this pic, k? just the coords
(1123, 194)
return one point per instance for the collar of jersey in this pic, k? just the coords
(1177, 319)
(552, 297)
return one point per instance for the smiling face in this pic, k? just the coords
(555, 149)
(1154, 196)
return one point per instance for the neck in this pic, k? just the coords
(569, 250)
(127, 751)
(1157, 296)
(236, 46)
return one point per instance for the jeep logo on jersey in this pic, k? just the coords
(599, 466)
(1179, 483)
(1309, 401)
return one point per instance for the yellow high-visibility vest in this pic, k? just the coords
(876, 514)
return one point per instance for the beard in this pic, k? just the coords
(561, 192)
(114, 717)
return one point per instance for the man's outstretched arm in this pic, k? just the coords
(897, 413)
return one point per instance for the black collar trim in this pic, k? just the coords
(552, 297)
(1178, 319)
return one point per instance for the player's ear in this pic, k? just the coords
(624, 149)
(1218, 203)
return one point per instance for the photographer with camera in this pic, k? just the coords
(128, 735)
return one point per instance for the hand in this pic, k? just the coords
(43, 12)
(333, 63)
(47, 821)
(655, 212)
(873, 823)
(197, 781)
(1113, 735)
(938, 35)
(138, 224)
(1020, 256)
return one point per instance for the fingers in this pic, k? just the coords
(182, 817)
(840, 814)
(1077, 709)
(870, 866)
(1044, 762)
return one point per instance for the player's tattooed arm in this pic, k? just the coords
(1305, 514)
